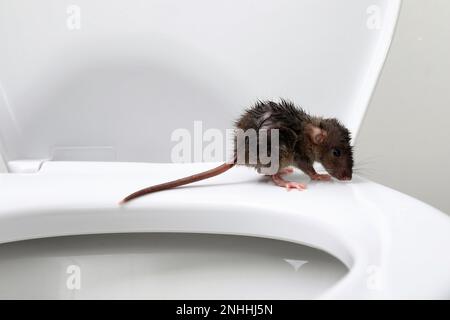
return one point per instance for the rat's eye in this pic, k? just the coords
(336, 152)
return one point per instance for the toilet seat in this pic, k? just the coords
(116, 90)
(393, 244)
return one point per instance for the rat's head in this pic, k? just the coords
(331, 145)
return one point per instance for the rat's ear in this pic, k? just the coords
(317, 135)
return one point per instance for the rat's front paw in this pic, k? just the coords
(320, 177)
(295, 185)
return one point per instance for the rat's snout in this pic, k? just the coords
(345, 176)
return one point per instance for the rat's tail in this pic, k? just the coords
(179, 182)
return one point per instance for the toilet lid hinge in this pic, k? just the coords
(25, 166)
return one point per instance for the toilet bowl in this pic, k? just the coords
(91, 99)
(394, 246)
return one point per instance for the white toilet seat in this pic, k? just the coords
(110, 94)
(393, 244)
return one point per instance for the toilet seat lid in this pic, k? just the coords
(89, 84)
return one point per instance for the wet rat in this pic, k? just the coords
(302, 140)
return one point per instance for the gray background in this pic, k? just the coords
(404, 139)
(2, 164)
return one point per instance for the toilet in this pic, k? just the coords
(92, 93)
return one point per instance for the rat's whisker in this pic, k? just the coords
(363, 162)
(364, 172)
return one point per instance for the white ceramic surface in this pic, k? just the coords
(117, 87)
(164, 266)
(393, 245)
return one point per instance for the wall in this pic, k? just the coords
(404, 142)
(2, 165)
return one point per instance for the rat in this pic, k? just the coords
(302, 140)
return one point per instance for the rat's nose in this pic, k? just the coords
(346, 176)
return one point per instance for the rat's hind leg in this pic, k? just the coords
(285, 171)
(279, 181)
